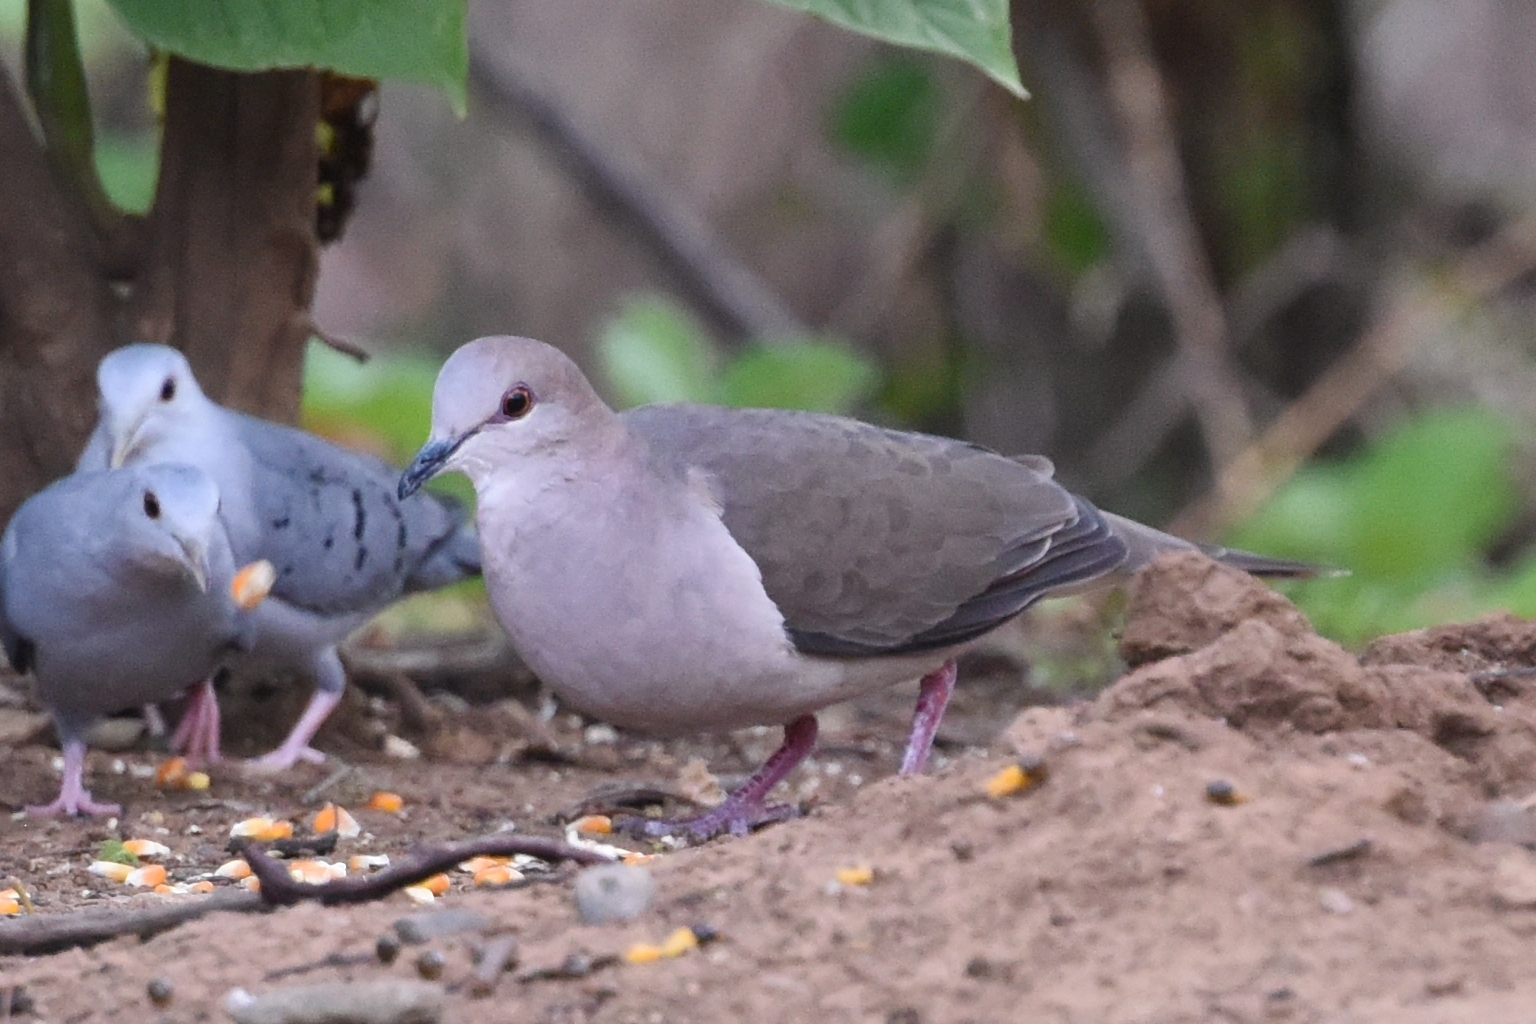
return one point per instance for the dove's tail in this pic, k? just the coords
(1145, 543)
(453, 556)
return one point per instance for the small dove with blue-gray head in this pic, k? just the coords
(678, 568)
(343, 543)
(115, 591)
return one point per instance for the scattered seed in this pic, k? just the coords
(332, 818)
(497, 874)
(1223, 793)
(148, 876)
(389, 803)
(594, 824)
(236, 869)
(146, 848)
(430, 964)
(160, 992)
(419, 894)
(387, 948)
(110, 869)
(263, 830)
(861, 874)
(367, 861)
(1024, 774)
(171, 773)
(642, 953)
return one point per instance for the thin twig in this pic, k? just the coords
(734, 296)
(49, 933)
(280, 890)
(345, 346)
(1156, 177)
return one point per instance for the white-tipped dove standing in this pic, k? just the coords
(117, 589)
(679, 568)
(328, 519)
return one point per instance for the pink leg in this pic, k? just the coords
(932, 698)
(197, 735)
(154, 721)
(296, 747)
(73, 797)
(744, 809)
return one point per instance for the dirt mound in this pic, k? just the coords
(1330, 874)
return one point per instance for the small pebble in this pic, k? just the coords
(1335, 901)
(389, 1001)
(498, 954)
(430, 964)
(1223, 793)
(160, 992)
(387, 948)
(435, 924)
(613, 892)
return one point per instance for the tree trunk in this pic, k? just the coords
(223, 266)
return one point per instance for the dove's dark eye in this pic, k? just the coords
(168, 389)
(151, 505)
(516, 403)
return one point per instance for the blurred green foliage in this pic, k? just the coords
(1411, 519)
(128, 166)
(889, 116)
(653, 351)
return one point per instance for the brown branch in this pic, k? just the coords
(1178, 260)
(733, 295)
(345, 346)
(233, 254)
(49, 933)
(279, 889)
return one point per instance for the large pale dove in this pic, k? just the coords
(344, 545)
(681, 567)
(115, 590)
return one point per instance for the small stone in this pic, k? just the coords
(415, 929)
(1505, 821)
(1335, 901)
(390, 1001)
(613, 892)
(160, 992)
(400, 749)
(387, 948)
(430, 964)
(1514, 881)
(115, 734)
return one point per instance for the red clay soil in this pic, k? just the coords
(1367, 857)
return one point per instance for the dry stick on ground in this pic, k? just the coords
(1413, 310)
(280, 890)
(734, 296)
(1156, 179)
(49, 933)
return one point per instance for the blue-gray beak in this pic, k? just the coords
(427, 464)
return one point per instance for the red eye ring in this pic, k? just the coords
(516, 403)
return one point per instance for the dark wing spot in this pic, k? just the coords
(360, 518)
(281, 524)
(362, 556)
(329, 542)
(22, 653)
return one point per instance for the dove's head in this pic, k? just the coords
(170, 515)
(503, 399)
(146, 393)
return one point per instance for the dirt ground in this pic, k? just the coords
(1373, 863)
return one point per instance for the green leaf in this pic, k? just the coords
(815, 375)
(419, 40)
(976, 31)
(128, 166)
(653, 351)
(113, 850)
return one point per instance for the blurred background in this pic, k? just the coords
(1257, 270)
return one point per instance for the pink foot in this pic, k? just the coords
(197, 735)
(745, 809)
(932, 698)
(73, 797)
(296, 747)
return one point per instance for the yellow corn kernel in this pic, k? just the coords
(367, 861)
(9, 906)
(436, 885)
(643, 953)
(149, 876)
(110, 869)
(419, 894)
(171, 772)
(635, 858)
(145, 848)
(236, 869)
(389, 803)
(679, 942)
(594, 824)
(497, 874)
(861, 874)
(263, 830)
(204, 885)
(314, 872)
(196, 781)
(252, 883)
(475, 865)
(253, 583)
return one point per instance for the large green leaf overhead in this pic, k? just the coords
(420, 40)
(973, 30)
